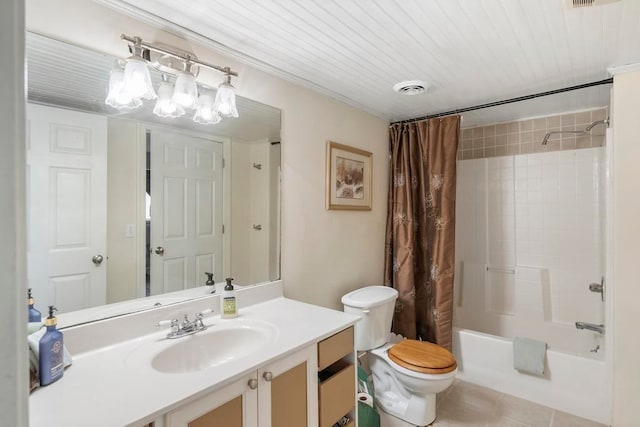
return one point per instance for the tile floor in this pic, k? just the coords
(469, 405)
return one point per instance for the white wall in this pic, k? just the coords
(13, 314)
(240, 212)
(626, 248)
(250, 205)
(275, 157)
(122, 202)
(324, 253)
(260, 213)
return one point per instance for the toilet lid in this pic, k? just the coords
(422, 356)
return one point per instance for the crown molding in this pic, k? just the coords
(623, 69)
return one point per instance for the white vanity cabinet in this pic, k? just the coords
(281, 394)
(302, 376)
(234, 405)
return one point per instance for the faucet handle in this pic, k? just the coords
(167, 322)
(175, 325)
(203, 313)
(199, 316)
(185, 321)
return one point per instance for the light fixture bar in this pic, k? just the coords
(138, 42)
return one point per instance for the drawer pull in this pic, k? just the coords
(253, 383)
(268, 376)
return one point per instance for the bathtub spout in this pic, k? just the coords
(591, 327)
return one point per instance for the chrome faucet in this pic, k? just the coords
(591, 327)
(187, 327)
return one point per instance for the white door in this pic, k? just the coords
(186, 210)
(66, 207)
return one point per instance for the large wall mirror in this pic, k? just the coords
(127, 210)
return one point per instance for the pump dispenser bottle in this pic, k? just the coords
(51, 354)
(210, 282)
(228, 302)
(34, 315)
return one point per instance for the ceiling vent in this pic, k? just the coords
(573, 4)
(411, 87)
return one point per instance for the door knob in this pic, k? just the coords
(253, 383)
(97, 259)
(160, 250)
(268, 376)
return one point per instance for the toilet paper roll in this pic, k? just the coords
(365, 398)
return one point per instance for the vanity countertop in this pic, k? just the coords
(103, 387)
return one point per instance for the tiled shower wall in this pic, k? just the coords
(529, 241)
(525, 136)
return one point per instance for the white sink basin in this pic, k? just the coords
(221, 343)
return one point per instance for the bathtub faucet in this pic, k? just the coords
(591, 327)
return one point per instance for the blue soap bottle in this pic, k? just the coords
(34, 315)
(51, 354)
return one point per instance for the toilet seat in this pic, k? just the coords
(422, 356)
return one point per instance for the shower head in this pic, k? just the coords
(599, 122)
(575, 132)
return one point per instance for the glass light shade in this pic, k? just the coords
(118, 97)
(165, 107)
(137, 80)
(186, 91)
(204, 111)
(225, 103)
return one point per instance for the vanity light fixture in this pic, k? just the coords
(137, 80)
(118, 97)
(186, 91)
(205, 114)
(128, 88)
(165, 106)
(225, 103)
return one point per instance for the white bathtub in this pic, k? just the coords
(574, 384)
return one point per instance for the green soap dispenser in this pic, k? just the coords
(228, 302)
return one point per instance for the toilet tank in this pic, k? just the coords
(375, 306)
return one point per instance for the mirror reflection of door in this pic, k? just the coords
(186, 210)
(81, 82)
(67, 207)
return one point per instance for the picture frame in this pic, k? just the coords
(349, 177)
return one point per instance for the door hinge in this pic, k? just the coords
(222, 228)
(223, 163)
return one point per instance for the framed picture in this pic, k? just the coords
(348, 177)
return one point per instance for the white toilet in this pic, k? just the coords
(406, 375)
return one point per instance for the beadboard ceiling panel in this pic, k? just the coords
(468, 51)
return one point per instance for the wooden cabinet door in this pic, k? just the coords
(235, 405)
(288, 391)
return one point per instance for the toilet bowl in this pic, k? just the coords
(406, 375)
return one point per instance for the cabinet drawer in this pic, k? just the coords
(337, 394)
(335, 347)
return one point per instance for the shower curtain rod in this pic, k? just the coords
(506, 101)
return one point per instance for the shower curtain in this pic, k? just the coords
(420, 236)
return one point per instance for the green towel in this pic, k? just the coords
(367, 416)
(528, 355)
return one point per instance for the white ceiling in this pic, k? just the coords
(469, 51)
